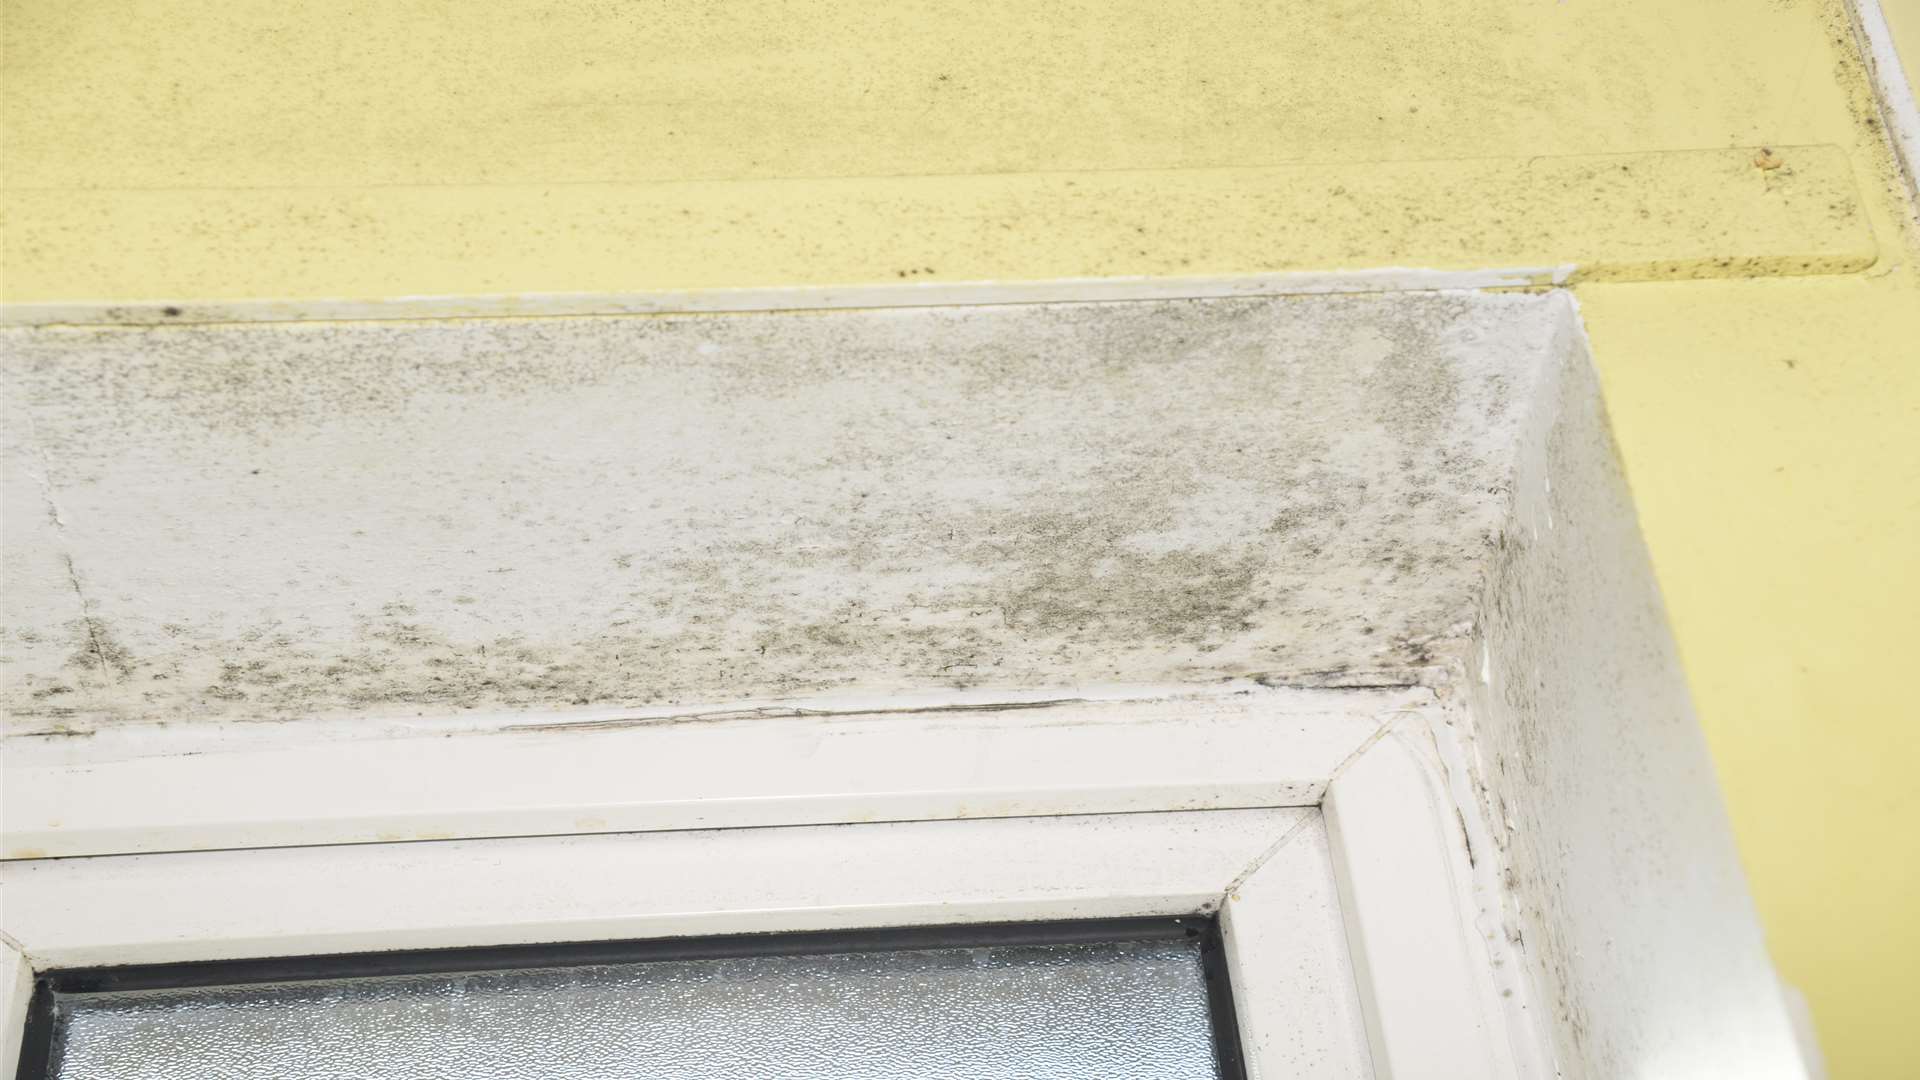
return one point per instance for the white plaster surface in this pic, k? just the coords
(1595, 784)
(565, 519)
(307, 520)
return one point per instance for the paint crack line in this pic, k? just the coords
(96, 646)
(45, 477)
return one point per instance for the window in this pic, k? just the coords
(1103, 999)
(1309, 828)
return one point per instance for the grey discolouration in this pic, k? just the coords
(95, 648)
(350, 522)
(1619, 870)
(275, 521)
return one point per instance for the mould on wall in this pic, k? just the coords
(1593, 780)
(277, 521)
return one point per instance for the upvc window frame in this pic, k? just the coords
(1316, 826)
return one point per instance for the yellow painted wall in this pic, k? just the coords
(1772, 433)
(188, 151)
(1903, 17)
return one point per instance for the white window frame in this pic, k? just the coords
(1317, 825)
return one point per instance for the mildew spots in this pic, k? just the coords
(294, 520)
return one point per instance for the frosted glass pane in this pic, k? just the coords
(1092, 1011)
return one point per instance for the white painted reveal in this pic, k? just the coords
(302, 520)
(240, 540)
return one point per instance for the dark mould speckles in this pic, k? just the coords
(1291, 520)
(1120, 596)
(97, 651)
(771, 505)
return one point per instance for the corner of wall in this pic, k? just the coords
(1622, 886)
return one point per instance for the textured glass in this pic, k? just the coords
(1077, 1012)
